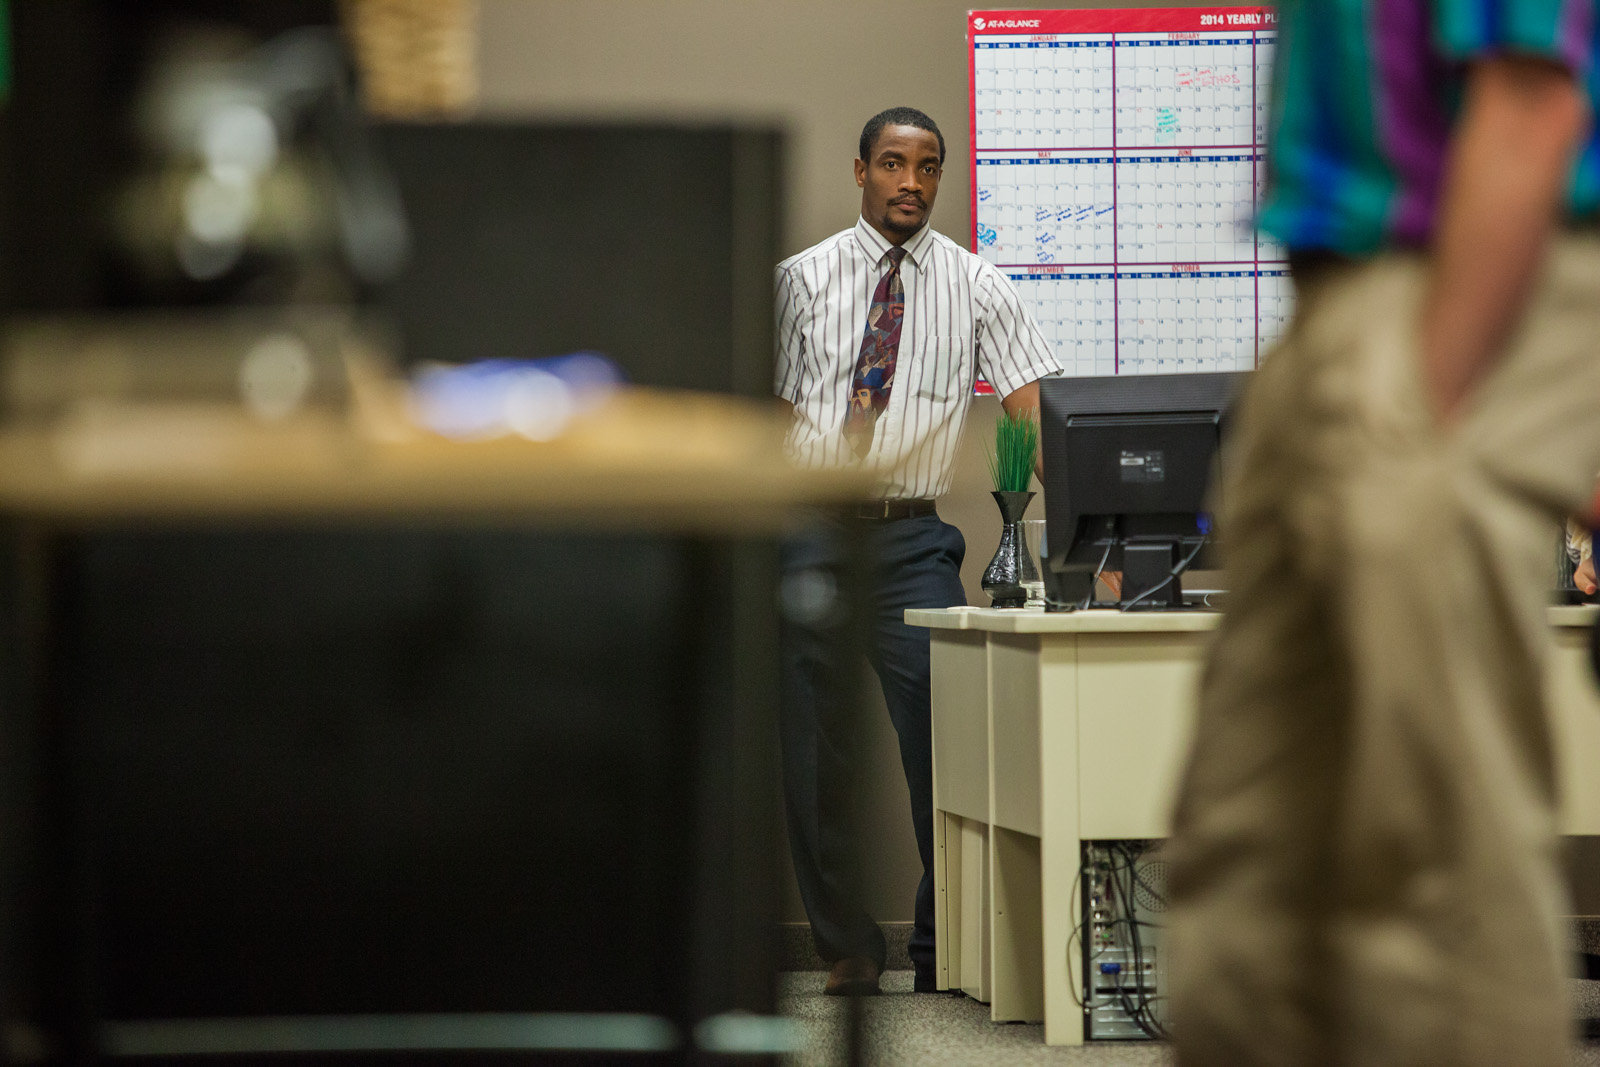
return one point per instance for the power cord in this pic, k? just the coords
(1099, 569)
(1143, 1016)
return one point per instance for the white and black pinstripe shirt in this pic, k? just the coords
(962, 317)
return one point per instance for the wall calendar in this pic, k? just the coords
(1117, 161)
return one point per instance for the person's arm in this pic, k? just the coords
(1513, 147)
(789, 306)
(1012, 351)
(1025, 401)
(1583, 576)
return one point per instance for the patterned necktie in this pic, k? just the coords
(869, 386)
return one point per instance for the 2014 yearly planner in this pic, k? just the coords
(1117, 159)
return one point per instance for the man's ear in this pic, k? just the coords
(861, 173)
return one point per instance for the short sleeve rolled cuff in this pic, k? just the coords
(1559, 30)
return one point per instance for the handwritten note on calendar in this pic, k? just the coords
(1117, 161)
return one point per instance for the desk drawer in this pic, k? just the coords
(1136, 707)
(961, 724)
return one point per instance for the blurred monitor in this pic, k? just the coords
(653, 245)
(1129, 466)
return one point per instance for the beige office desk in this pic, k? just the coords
(1054, 729)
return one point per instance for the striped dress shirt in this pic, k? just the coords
(962, 317)
(1365, 99)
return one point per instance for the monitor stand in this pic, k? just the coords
(1147, 567)
(1068, 585)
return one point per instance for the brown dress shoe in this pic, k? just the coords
(853, 976)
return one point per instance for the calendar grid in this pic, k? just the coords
(1255, 180)
(1117, 158)
(1116, 295)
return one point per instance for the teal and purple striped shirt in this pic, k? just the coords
(1364, 99)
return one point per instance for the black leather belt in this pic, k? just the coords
(886, 510)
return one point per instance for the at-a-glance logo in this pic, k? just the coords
(998, 25)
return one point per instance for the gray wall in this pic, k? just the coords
(819, 69)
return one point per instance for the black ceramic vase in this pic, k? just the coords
(1004, 577)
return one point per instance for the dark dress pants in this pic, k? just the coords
(913, 563)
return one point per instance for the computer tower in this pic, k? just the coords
(1124, 901)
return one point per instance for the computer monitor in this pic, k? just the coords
(1128, 465)
(534, 239)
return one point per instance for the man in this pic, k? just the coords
(881, 330)
(1363, 868)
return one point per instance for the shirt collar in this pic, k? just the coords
(876, 246)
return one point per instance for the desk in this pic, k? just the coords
(1054, 729)
(340, 738)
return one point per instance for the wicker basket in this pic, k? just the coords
(417, 58)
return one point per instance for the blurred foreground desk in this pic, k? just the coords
(1054, 729)
(318, 742)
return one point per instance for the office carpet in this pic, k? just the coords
(906, 1028)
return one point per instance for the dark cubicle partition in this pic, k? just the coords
(651, 244)
(398, 773)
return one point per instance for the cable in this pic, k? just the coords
(1097, 950)
(1135, 999)
(1125, 895)
(1182, 566)
(1116, 902)
(1129, 1007)
(1144, 1017)
(1122, 879)
(1099, 569)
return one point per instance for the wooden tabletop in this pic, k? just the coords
(645, 459)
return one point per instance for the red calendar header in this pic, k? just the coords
(1122, 20)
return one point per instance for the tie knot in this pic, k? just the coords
(896, 254)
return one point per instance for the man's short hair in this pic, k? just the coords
(898, 116)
